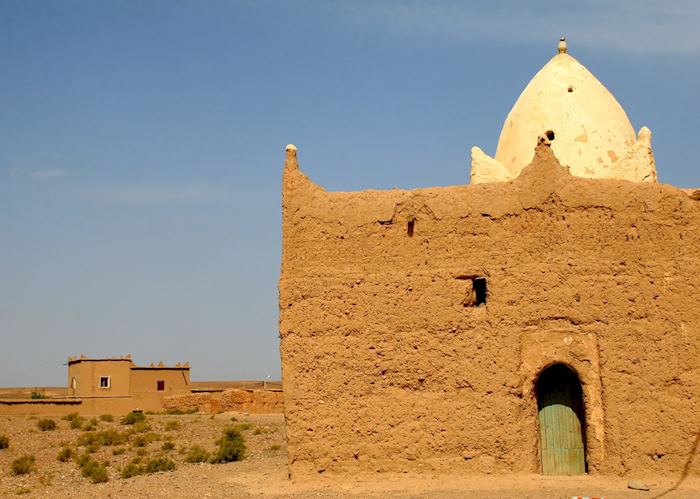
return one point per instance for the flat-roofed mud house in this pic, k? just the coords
(119, 383)
(545, 317)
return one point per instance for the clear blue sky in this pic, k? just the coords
(142, 143)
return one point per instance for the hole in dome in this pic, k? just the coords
(549, 134)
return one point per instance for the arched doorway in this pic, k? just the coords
(561, 422)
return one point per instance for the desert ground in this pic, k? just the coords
(261, 473)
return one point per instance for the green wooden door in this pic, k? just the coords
(561, 416)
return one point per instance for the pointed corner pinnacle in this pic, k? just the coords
(291, 158)
(562, 47)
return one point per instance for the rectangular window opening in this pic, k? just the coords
(479, 285)
(104, 382)
(161, 385)
(409, 227)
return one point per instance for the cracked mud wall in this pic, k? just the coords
(388, 365)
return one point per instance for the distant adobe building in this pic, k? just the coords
(120, 380)
(545, 317)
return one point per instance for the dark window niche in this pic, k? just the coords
(479, 286)
(161, 385)
(475, 296)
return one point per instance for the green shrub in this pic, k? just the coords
(96, 472)
(77, 422)
(179, 412)
(65, 454)
(96, 439)
(243, 426)
(275, 447)
(133, 417)
(36, 394)
(231, 447)
(172, 426)
(118, 451)
(70, 417)
(107, 418)
(82, 459)
(4, 442)
(99, 474)
(141, 427)
(132, 469)
(196, 455)
(23, 465)
(140, 453)
(46, 424)
(168, 446)
(160, 464)
(143, 440)
(90, 425)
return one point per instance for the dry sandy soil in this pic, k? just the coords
(263, 472)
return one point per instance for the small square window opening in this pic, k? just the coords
(104, 382)
(160, 385)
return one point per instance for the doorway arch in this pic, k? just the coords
(562, 421)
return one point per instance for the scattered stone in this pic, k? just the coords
(637, 485)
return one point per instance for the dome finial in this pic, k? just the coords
(562, 45)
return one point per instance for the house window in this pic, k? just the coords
(104, 382)
(161, 385)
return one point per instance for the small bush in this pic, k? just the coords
(172, 426)
(144, 439)
(160, 464)
(243, 426)
(234, 418)
(77, 423)
(46, 424)
(4, 442)
(133, 417)
(231, 447)
(36, 394)
(197, 455)
(168, 446)
(70, 417)
(275, 447)
(96, 439)
(179, 412)
(132, 469)
(96, 472)
(258, 431)
(65, 454)
(118, 451)
(23, 465)
(90, 425)
(22, 490)
(99, 474)
(107, 418)
(140, 453)
(82, 459)
(141, 427)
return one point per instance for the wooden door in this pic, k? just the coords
(561, 422)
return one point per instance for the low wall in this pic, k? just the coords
(40, 406)
(200, 402)
(253, 401)
(85, 406)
